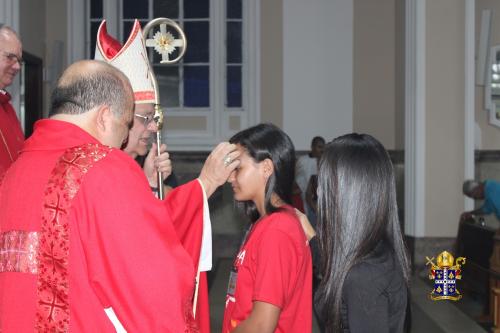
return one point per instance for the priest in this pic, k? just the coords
(86, 240)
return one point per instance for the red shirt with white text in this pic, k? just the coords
(273, 266)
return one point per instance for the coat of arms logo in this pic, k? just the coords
(445, 275)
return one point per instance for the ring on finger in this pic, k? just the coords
(227, 160)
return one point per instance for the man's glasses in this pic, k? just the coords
(11, 57)
(146, 120)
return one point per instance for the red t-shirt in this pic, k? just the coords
(272, 266)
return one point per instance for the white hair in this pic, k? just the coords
(469, 186)
(6, 30)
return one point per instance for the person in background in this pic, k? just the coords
(489, 191)
(11, 133)
(365, 267)
(312, 196)
(311, 204)
(297, 198)
(307, 165)
(270, 285)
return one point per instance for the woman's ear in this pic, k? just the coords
(268, 167)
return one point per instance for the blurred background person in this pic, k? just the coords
(489, 191)
(307, 165)
(11, 133)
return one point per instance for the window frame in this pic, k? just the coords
(221, 121)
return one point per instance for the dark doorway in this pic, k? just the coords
(32, 91)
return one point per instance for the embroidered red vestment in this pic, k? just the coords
(123, 249)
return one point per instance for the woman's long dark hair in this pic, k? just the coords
(268, 141)
(357, 209)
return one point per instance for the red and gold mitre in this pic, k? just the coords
(131, 59)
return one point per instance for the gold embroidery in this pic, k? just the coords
(18, 251)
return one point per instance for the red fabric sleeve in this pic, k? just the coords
(185, 206)
(276, 268)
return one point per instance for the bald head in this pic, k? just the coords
(97, 98)
(473, 189)
(8, 32)
(88, 84)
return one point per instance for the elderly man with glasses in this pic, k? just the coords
(193, 232)
(139, 141)
(132, 60)
(11, 134)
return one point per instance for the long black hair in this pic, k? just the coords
(357, 210)
(266, 141)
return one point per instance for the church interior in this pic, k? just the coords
(418, 75)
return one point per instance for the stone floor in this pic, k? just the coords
(442, 316)
(427, 316)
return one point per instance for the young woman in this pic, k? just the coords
(365, 267)
(270, 282)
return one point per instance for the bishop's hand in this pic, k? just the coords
(154, 163)
(218, 166)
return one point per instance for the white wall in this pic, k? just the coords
(31, 27)
(489, 134)
(317, 69)
(9, 13)
(374, 70)
(271, 62)
(444, 128)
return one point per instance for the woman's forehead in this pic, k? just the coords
(243, 150)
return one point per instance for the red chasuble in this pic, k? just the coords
(80, 231)
(11, 134)
(191, 238)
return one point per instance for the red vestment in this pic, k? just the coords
(11, 134)
(123, 251)
(192, 243)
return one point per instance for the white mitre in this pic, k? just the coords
(131, 59)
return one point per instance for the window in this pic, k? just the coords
(210, 93)
(96, 16)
